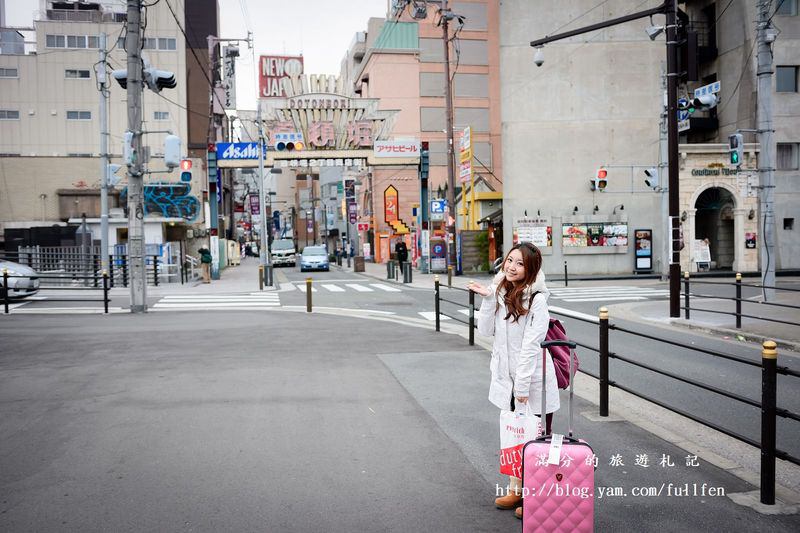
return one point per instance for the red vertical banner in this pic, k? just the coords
(390, 204)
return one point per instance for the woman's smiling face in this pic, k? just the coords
(514, 267)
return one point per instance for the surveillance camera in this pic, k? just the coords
(538, 58)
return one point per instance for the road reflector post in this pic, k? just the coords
(261, 277)
(738, 300)
(268, 275)
(686, 294)
(566, 276)
(308, 295)
(5, 290)
(449, 276)
(389, 268)
(769, 365)
(603, 361)
(436, 300)
(105, 290)
(471, 318)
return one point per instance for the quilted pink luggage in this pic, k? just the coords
(558, 497)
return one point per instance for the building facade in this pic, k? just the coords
(50, 127)
(596, 103)
(400, 62)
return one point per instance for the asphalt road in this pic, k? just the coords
(224, 422)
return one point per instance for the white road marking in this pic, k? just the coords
(383, 287)
(604, 299)
(207, 305)
(332, 288)
(303, 288)
(431, 315)
(359, 288)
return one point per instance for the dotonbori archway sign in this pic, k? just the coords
(316, 125)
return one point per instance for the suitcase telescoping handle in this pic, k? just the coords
(572, 346)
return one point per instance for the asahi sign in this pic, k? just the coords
(273, 70)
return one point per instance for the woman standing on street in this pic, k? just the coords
(514, 311)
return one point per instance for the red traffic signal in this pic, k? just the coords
(186, 164)
(600, 181)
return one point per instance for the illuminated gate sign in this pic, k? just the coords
(274, 72)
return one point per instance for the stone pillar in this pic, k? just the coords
(738, 240)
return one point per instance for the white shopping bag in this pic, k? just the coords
(516, 428)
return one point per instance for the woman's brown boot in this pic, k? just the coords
(510, 501)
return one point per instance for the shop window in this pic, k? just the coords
(788, 223)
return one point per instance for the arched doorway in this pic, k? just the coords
(714, 220)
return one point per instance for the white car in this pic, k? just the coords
(22, 281)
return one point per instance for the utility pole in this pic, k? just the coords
(136, 259)
(672, 153)
(451, 175)
(101, 82)
(663, 152)
(262, 247)
(766, 158)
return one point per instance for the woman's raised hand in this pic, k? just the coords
(478, 288)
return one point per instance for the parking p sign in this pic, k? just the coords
(437, 209)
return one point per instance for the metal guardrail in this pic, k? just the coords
(66, 266)
(687, 294)
(7, 300)
(769, 370)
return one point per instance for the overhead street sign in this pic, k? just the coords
(711, 88)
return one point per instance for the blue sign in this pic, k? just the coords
(437, 206)
(683, 114)
(234, 151)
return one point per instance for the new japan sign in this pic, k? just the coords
(274, 71)
(396, 148)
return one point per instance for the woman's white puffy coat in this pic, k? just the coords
(516, 352)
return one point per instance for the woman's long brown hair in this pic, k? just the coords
(532, 261)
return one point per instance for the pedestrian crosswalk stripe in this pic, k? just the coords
(207, 305)
(604, 299)
(431, 315)
(332, 288)
(218, 300)
(222, 297)
(359, 288)
(303, 288)
(383, 287)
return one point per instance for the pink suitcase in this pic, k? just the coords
(558, 497)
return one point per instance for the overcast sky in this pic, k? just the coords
(319, 29)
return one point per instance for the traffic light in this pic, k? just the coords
(154, 79)
(736, 149)
(288, 142)
(172, 151)
(186, 170)
(424, 161)
(600, 181)
(706, 101)
(652, 177)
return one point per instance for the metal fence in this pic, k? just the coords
(104, 286)
(737, 312)
(767, 404)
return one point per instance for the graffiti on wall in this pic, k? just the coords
(171, 200)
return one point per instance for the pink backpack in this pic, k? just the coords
(560, 354)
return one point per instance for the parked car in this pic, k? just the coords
(314, 258)
(22, 281)
(283, 252)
